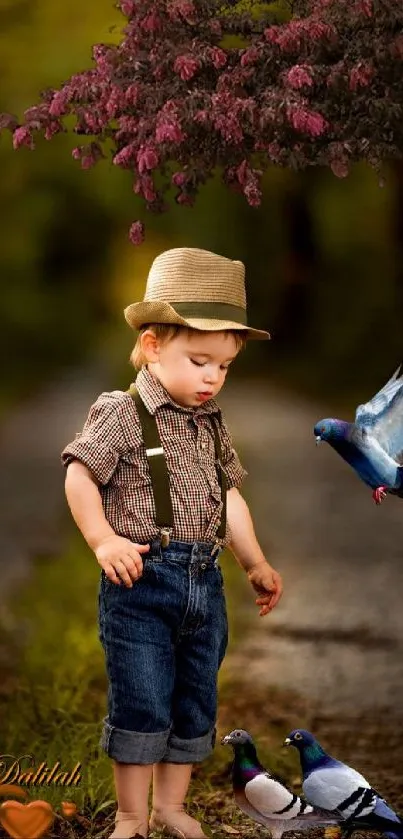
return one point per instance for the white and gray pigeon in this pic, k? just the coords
(263, 797)
(329, 783)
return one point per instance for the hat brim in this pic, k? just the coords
(159, 311)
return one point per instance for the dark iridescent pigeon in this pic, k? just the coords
(329, 783)
(373, 444)
(263, 797)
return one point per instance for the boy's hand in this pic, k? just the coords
(268, 584)
(120, 559)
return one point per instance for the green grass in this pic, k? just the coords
(53, 696)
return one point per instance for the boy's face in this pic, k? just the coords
(193, 367)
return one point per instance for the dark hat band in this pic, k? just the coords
(213, 311)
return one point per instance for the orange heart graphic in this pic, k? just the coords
(69, 809)
(26, 821)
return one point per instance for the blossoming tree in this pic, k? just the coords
(173, 100)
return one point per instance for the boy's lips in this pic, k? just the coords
(204, 394)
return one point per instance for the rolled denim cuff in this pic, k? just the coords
(189, 751)
(133, 746)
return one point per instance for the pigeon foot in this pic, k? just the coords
(379, 494)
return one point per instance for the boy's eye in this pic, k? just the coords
(202, 363)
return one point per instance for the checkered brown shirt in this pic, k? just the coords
(111, 446)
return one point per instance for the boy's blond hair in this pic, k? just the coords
(164, 332)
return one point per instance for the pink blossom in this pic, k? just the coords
(272, 34)
(218, 57)
(307, 122)
(250, 56)
(169, 131)
(179, 178)
(202, 117)
(23, 137)
(186, 200)
(364, 7)
(136, 233)
(100, 55)
(215, 27)
(243, 172)
(89, 154)
(54, 127)
(88, 161)
(144, 186)
(253, 194)
(125, 156)
(92, 121)
(127, 125)
(361, 75)
(299, 76)
(59, 104)
(274, 152)
(181, 8)
(151, 23)
(132, 94)
(186, 66)
(147, 158)
(116, 101)
(229, 127)
(127, 7)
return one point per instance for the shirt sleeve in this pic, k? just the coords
(101, 442)
(232, 465)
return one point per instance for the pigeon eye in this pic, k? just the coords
(323, 429)
(298, 736)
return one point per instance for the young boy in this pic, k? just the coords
(152, 483)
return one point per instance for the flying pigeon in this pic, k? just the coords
(373, 443)
(340, 789)
(263, 797)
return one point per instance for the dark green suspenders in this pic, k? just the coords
(164, 518)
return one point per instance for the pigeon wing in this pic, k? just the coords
(272, 799)
(340, 788)
(382, 417)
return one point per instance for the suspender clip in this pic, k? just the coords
(164, 537)
(217, 546)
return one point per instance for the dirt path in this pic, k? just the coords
(337, 635)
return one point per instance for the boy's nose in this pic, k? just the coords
(211, 376)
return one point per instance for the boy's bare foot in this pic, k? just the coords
(177, 822)
(129, 826)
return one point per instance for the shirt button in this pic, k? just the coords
(203, 566)
(203, 445)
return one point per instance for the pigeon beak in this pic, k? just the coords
(226, 740)
(287, 742)
(318, 440)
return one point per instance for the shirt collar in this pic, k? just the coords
(155, 396)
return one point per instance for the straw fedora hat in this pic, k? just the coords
(195, 288)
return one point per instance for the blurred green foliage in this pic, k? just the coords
(323, 256)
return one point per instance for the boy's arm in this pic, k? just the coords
(119, 557)
(84, 500)
(247, 551)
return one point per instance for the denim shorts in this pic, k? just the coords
(164, 640)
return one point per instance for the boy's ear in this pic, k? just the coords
(150, 346)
